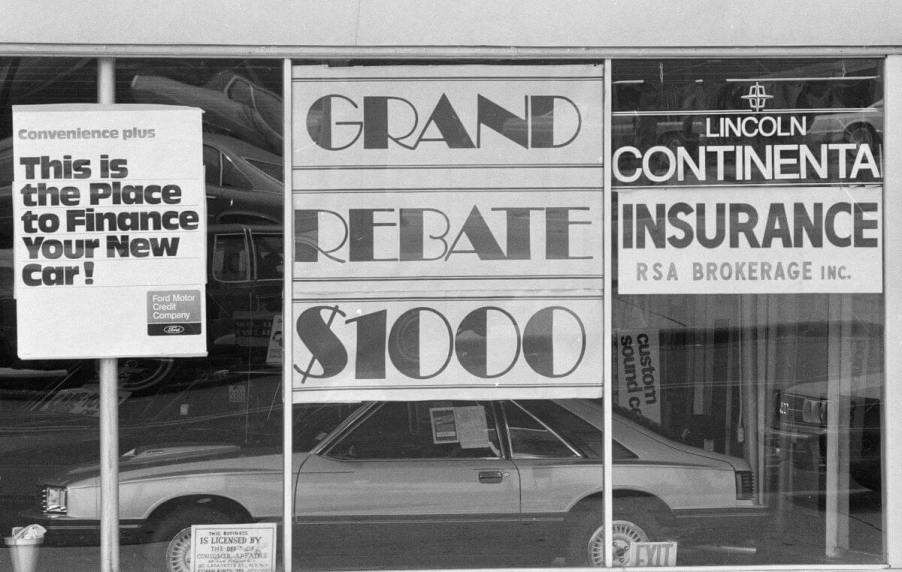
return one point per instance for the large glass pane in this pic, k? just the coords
(35, 413)
(749, 315)
(200, 438)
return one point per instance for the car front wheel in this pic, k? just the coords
(170, 542)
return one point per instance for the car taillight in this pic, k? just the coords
(54, 499)
(745, 485)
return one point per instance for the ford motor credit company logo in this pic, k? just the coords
(174, 329)
(757, 97)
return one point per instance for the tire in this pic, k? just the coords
(634, 521)
(170, 542)
(861, 133)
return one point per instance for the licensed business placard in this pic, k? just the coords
(448, 232)
(769, 240)
(233, 547)
(109, 231)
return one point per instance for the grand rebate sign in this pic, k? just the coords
(448, 232)
(110, 231)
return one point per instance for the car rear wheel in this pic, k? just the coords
(634, 521)
(170, 548)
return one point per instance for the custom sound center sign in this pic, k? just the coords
(109, 231)
(448, 232)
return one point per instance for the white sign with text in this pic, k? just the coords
(109, 231)
(233, 547)
(448, 232)
(762, 241)
(639, 372)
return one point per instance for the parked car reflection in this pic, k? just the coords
(803, 411)
(416, 474)
(243, 182)
(232, 104)
(861, 127)
(51, 417)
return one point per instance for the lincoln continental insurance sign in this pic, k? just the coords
(759, 198)
(448, 236)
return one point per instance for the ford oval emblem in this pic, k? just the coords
(174, 329)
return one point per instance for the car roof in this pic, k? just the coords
(240, 148)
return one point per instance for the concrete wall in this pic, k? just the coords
(270, 26)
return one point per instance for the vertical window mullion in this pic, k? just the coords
(608, 321)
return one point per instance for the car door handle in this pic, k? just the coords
(490, 477)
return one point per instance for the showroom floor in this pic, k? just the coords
(797, 539)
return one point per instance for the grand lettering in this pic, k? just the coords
(428, 234)
(742, 225)
(542, 342)
(337, 122)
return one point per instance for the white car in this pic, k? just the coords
(453, 473)
(860, 127)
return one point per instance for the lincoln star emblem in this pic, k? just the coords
(757, 97)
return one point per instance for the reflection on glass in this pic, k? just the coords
(170, 410)
(788, 383)
(738, 121)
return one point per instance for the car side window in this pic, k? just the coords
(232, 177)
(423, 430)
(230, 263)
(531, 439)
(212, 166)
(268, 251)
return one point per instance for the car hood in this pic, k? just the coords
(858, 387)
(159, 460)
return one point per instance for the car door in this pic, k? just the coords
(416, 473)
(553, 472)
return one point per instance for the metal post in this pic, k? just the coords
(109, 465)
(109, 401)
(287, 351)
(891, 430)
(608, 304)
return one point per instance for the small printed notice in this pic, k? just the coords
(173, 313)
(464, 425)
(274, 347)
(472, 429)
(653, 554)
(444, 429)
(233, 547)
(110, 238)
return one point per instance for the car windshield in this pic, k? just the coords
(271, 169)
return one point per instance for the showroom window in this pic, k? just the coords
(747, 338)
(749, 309)
(170, 410)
